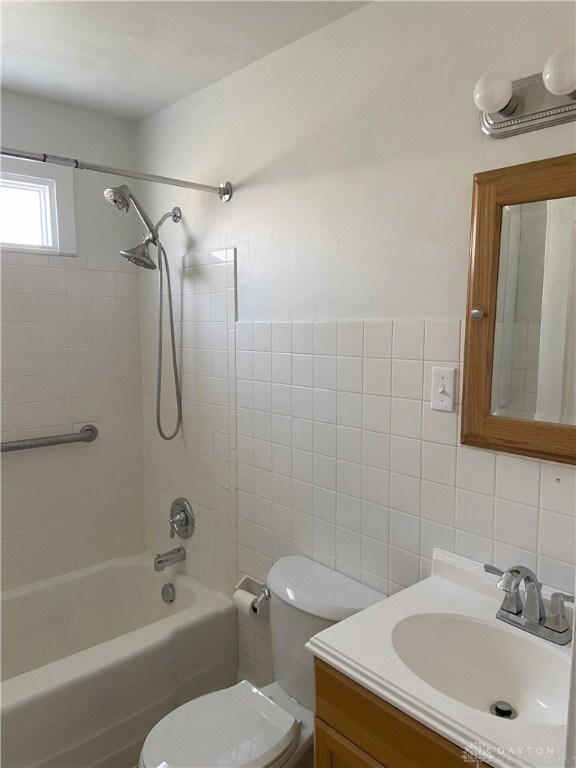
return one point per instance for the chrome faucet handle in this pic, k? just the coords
(556, 620)
(175, 523)
(492, 569)
(512, 602)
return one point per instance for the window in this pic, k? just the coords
(28, 213)
(36, 210)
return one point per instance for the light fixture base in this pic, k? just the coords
(536, 108)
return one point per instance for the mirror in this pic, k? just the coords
(533, 369)
(519, 382)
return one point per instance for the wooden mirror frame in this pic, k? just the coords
(517, 184)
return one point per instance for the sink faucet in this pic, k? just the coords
(533, 605)
(169, 558)
(530, 615)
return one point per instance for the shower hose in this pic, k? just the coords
(163, 264)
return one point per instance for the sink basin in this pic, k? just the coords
(478, 663)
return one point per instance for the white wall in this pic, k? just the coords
(71, 355)
(352, 153)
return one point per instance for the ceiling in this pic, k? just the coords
(133, 58)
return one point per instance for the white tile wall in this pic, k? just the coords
(70, 356)
(356, 471)
(200, 463)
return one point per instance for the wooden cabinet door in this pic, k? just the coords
(332, 750)
(382, 735)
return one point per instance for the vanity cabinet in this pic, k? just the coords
(354, 728)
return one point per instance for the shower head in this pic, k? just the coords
(139, 255)
(119, 196)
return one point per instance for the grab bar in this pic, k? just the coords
(88, 433)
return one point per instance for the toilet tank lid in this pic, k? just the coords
(313, 588)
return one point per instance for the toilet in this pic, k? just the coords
(272, 726)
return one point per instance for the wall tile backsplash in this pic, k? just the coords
(341, 458)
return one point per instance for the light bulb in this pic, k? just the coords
(493, 92)
(559, 73)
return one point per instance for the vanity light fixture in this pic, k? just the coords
(530, 103)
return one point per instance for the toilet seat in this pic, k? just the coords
(238, 727)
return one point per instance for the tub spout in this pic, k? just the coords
(169, 558)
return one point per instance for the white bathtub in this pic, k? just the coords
(92, 660)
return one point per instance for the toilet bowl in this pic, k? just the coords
(244, 726)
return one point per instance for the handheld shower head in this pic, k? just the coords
(119, 196)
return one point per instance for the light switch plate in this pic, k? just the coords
(443, 384)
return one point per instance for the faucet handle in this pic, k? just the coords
(556, 619)
(492, 569)
(181, 519)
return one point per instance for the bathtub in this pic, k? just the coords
(92, 660)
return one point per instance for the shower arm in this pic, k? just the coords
(175, 214)
(224, 191)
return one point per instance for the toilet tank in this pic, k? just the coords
(307, 597)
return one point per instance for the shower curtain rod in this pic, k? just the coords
(224, 191)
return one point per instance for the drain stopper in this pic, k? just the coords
(503, 709)
(169, 592)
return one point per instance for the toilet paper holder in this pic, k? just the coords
(260, 605)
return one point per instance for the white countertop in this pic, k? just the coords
(362, 648)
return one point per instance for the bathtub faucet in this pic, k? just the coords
(169, 558)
